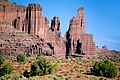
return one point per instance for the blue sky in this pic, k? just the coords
(102, 17)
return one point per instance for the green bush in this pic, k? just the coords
(1, 79)
(1, 60)
(20, 57)
(15, 77)
(104, 68)
(2, 73)
(6, 69)
(41, 66)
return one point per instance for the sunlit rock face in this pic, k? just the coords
(12, 14)
(77, 41)
(37, 35)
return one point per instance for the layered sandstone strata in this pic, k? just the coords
(36, 24)
(11, 11)
(56, 38)
(33, 19)
(34, 35)
(77, 41)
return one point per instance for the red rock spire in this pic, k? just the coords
(78, 42)
(55, 24)
(33, 18)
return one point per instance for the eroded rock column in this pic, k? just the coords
(33, 18)
(77, 41)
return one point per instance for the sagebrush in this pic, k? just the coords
(104, 68)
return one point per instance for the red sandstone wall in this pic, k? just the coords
(10, 11)
(77, 41)
(31, 21)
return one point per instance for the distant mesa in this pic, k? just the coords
(104, 47)
(40, 37)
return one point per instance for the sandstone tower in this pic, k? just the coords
(78, 22)
(33, 19)
(42, 37)
(77, 41)
(56, 37)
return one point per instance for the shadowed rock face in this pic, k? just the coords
(55, 24)
(56, 38)
(42, 37)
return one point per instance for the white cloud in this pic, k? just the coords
(104, 39)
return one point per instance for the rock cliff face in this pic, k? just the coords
(42, 38)
(36, 24)
(11, 13)
(56, 38)
(77, 41)
(33, 20)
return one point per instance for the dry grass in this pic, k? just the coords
(66, 70)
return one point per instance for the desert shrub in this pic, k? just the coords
(104, 68)
(2, 73)
(1, 60)
(26, 74)
(58, 77)
(20, 57)
(41, 66)
(1, 79)
(6, 69)
(55, 78)
(15, 77)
